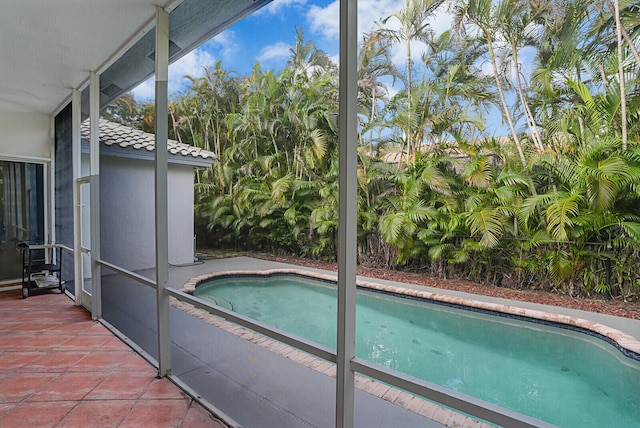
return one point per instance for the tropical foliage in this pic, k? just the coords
(553, 204)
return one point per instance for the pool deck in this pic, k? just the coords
(60, 368)
(431, 411)
(256, 385)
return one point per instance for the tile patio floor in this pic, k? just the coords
(59, 368)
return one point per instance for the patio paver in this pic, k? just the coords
(59, 368)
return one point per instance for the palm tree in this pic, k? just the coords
(519, 26)
(631, 10)
(481, 15)
(124, 110)
(586, 205)
(374, 62)
(467, 207)
(404, 209)
(608, 31)
(414, 26)
(560, 57)
(623, 92)
(450, 101)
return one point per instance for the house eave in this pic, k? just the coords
(148, 155)
(49, 48)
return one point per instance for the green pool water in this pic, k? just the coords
(566, 378)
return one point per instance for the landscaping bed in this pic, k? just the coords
(595, 304)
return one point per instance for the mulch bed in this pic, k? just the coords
(611, 307)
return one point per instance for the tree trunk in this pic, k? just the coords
(410, 148)
(603, 76)
(623, 95)
(632, 46)
(627, 38)
(505, 107)
(175, 126)
(371, 119)
(525, 106)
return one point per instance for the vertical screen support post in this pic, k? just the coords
(347, 213)
(161, 190)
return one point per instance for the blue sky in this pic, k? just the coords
(267, 35)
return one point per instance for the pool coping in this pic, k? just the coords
(615, 337)
(628, 345)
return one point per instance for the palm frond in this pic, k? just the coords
(488, 223)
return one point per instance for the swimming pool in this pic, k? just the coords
(565, 377)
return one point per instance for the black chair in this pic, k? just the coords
(38, 270)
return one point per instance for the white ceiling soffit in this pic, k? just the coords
(49, 47)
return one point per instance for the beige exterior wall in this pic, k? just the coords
(25, 136)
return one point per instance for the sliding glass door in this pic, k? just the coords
(21, 213)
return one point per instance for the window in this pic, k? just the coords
(21, 213)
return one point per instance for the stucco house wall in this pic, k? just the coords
(127, 197)
(127, 226)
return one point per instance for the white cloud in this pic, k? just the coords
(326, 20)
(145, 91)
(189, 65)
(320, 22)
(527, 57)
(192, 64)
(486, 68)
(276, 6)
(277, 51)
(392, 90)
(225, 43)
(442, 21)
